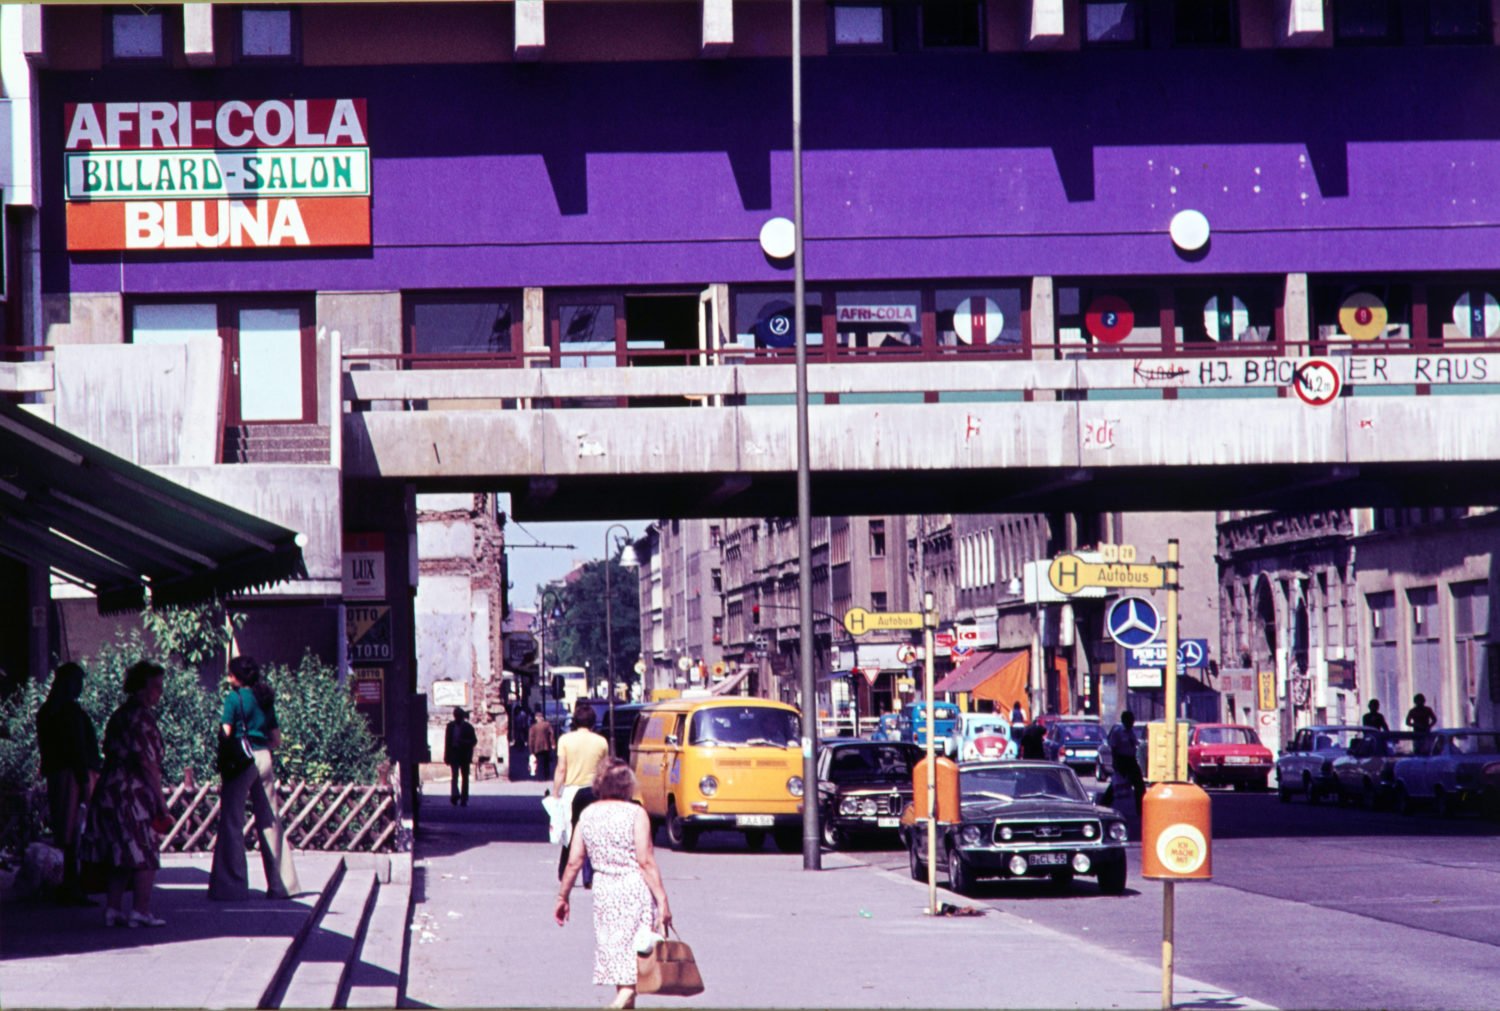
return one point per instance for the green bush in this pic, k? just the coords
(325, 739)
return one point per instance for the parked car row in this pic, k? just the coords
(1448, 770)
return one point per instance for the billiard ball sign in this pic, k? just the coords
(1109, 319)
(1363, 316)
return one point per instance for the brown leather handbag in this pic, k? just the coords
(668, 969)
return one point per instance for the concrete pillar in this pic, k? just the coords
(1302, 22)
(198, 34)
(1045, 28)
(534, 327)
(83, 318)
(1296, 315)
(33, 45)
(1043, 319)
(718, 27)
(531, 29)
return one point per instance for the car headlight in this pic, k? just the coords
(1117, 831)
(794, 786)
(971, 835)
(708, 786)
(1068, 752)
(1006, 833)
(849, 805)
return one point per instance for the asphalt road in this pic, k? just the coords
(1310, 906)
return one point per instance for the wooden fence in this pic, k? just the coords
(345, 818)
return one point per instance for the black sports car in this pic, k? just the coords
(1021, 819)
(863, 786)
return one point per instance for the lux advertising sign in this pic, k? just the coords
(210, 175)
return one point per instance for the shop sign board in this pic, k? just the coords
(903, 314)
(368, 630)
(364, 566)
(237, 173)
(1266, 681)
(367, 685)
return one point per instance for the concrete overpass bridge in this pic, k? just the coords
(1123, 432)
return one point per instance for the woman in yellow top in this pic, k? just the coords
(579, 753)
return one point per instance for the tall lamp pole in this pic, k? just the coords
(541, 658)
(609, 624)
(812, 846)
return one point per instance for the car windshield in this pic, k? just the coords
(1473, 744)
(1020, 783)
(1226, 735)
(734, 726)
(865, 762)
(979, 728)
(1075, 733)
(1333, 737)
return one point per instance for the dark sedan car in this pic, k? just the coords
(1022, 820)
(863, 786)
(1074, 743)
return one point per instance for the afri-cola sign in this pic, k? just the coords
(217, 175)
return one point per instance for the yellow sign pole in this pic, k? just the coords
(928, 622)
(1169, 887)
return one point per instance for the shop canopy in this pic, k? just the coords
(118, 530)
(998, 676)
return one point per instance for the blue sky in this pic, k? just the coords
(530, 566)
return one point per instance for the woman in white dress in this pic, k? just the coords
(629, 896)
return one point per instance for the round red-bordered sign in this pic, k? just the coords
(1317, 382)
(1109, 319)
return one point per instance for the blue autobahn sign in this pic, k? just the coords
(1190, 653)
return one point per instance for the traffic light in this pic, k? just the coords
(755, 615)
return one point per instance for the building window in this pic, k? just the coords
(447, 328)
(715, 535)
(877, 538)
(717, 576)
(270, 354)
(137, 34)
(860, 26)
(1384, 658)
(1366, 22)
(878, 600)
(764, 319)
(870, 320)
(1204, 23)
(1459, 21)
(267, 34)
(718, 631)
(586, 336)
(1112, 24)
(1471, 628)
(951, 24)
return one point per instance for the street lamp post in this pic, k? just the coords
(609, 623)
(552, 611)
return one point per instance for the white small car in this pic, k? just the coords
(980, 736)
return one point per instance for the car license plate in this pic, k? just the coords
(887, 822)
(754, 820)
(1237, 760)
(1047, 859)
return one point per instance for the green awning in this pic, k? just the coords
(117, 529)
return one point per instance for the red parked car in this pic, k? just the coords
(1228, 754)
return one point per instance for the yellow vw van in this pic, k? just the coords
(725, 762)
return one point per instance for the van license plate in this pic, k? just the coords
(754, 820)
(1048, 859)
(887, 822)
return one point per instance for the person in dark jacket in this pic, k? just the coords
(1031, 741)
(458, 752)
(69, 749)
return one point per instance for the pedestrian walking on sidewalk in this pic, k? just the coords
(630, 898)
(458, 751)
(1124, 750)
(250, 712)
(543, 743)
(70, 764)
(520, 727)
(128, 812)
(579, 753)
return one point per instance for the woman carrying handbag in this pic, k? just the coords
(629, 897)
(250, 713)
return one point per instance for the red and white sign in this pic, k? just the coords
(902, 314)
(1317, 382)
(978, 320)
(1109, 319)
(217, 175)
